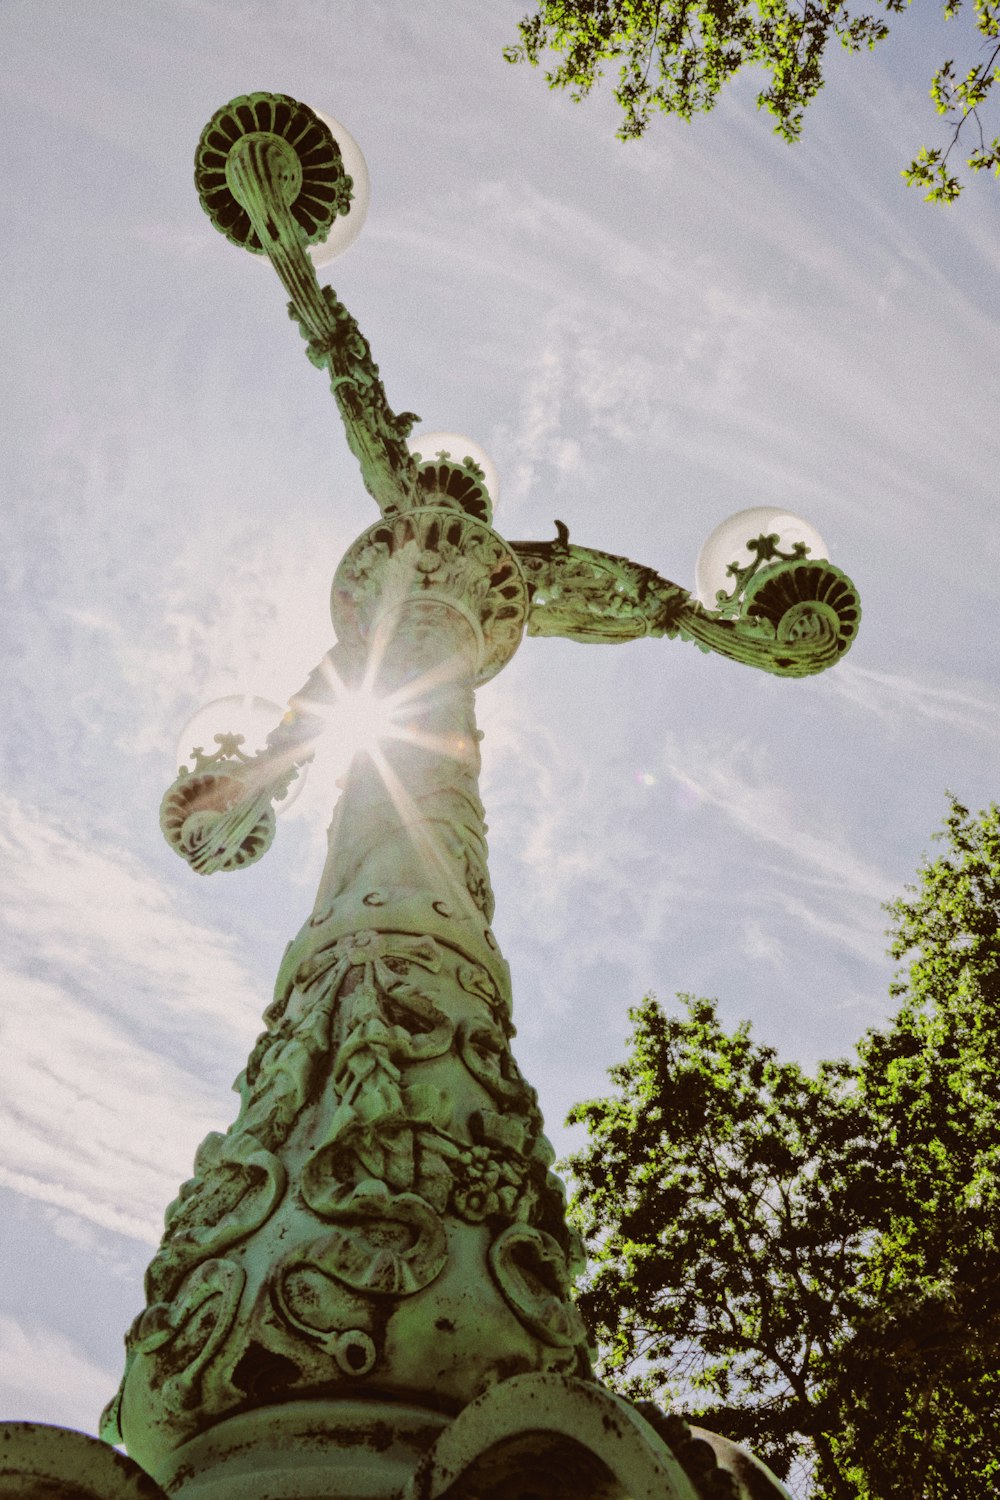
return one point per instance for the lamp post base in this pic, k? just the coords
(41, 1462)
(305, 1450)
(534, 1437)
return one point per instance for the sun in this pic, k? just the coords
(357, 719)
(360, 721)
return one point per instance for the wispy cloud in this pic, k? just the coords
(767, 814)
(93, 1122)
(698, 870)
(899, 699)
(49, 1378)
(76, 908)
(114, 999)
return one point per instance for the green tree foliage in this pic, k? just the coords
(676, 55)
(810, 1263)
(924, 1360)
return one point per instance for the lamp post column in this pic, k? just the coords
(377, 1239)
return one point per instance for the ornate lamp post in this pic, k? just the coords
(365, 1288)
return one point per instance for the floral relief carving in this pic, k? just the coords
(284, 1071)
(385, 1022)
(368, 1084)
(390, 1159)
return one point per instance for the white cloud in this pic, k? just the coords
(93, 1123)
(706, 875)
(91, 914)
(759, 943)
(243, 611)
(49, 1378)
(859, 931)
(113, 1000)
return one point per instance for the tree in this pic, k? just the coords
(676, 55)
(925, 1358)
(811, 1263)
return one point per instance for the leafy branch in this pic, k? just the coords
(960, 100)
(675, 56)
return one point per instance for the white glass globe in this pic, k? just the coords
(728, 544)
(346, 227)
(426, 446)
(240, 713)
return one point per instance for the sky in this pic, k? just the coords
(646, 337)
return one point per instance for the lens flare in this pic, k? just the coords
(359, 721)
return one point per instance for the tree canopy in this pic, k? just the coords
(810, 1262)
(675, 56)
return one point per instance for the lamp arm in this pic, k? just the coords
(794, 619)
(593, 597)
(219, 812)
(252, 169)
(376, 435)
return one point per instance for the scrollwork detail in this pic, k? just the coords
(530, 1269)
(483, 1048)
(182, 1338)
(236, 1186)
(383, 1244)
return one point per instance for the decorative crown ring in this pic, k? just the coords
(765, 552)
(324, 191)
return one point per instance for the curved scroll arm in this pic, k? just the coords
(794, 619)
(219, 813)
(270, 177)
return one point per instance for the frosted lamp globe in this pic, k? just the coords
(427, 446)
(239, 713)
(728, 544)
(346, 227)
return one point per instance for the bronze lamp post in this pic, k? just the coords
(364, 1290)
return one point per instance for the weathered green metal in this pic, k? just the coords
(770, 619)
(381, 1220)
(40, 1462)
(364, 1290)
(794, 619)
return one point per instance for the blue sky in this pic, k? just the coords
(646, 338)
